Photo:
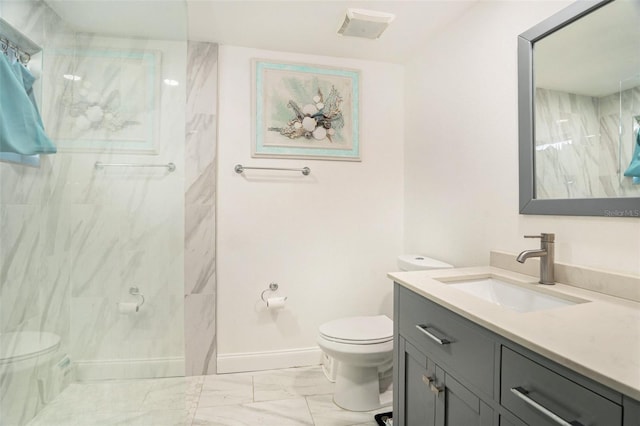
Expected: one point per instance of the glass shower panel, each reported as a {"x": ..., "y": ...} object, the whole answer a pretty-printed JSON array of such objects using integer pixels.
[
  {"x": 125, "y": 221},
  {"x": 34, "y": 288},
  {"x": 92, "y": 241}
]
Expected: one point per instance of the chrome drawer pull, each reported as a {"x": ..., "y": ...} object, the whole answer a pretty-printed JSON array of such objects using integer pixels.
[
  {"x": 427, "y": 379},
  {"x": 439, "y": 340},
  {"x": 522, "y": 394}
]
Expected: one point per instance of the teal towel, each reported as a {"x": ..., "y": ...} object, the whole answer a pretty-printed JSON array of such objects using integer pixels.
[
  {"x": 634, "y": 168},
  {"x": 21, "y": 129}
]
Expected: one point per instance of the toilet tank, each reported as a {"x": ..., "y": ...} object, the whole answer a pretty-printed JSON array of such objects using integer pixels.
[{"x": 416, "y": 262}]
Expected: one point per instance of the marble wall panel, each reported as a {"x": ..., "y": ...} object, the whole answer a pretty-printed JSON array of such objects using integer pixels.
[
  {"x": 101, "y": 334},
  {"x": 34, "y": 243},
  {"x": 95, "y": 234},
  {"x": 623, "y": 141},
  {"x": 200, "y": 174},
  {"x": 578, "y": 147},
  {"x": 55, "y": 298},
  {"x": 200, "y": 334},
  {"x": 199, "y": 198},
  {"x": 200, "y": 264},
  {"x": 128, "y": 231},
  {"x": 19, "y": 273},
  {"x": 20, "y": 184},
  {"x": 73, "y": 240}
]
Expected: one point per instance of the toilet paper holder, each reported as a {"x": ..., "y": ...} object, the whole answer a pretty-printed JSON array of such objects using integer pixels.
[
  {"x": 272, "y": 302},
  {"x": 135, "y": 291},
  {"x": 273, "y": 287}
]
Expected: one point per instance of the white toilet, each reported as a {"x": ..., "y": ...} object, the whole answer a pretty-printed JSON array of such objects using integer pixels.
[{"x": 362, "y": 345}]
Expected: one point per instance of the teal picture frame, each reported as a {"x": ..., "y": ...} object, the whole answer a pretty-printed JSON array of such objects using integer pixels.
[
  {"x": 103, "y": 100},
  {"x": 305, "y": 111}
]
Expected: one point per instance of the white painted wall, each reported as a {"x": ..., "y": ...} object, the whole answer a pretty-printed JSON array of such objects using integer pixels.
[
  {"x": 461, "y": 167},
  {"x": 327, "y": 239}
]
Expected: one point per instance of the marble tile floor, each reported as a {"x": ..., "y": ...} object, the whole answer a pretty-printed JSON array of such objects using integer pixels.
[{"x": 296, "y": 396}]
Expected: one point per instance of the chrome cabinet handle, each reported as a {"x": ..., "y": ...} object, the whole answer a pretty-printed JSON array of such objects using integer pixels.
[
  {"x": 436, "y": 389},
  {"x": 439, "y": 340},
  {"x": 428, "y": 380},
  {"x": 522, "y": 394}
]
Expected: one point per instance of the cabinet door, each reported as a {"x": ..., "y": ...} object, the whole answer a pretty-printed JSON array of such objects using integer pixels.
[
  {"x": 631, "y": 412},
  {"x": 419, "y": 401},
  {"x": 458, "y": 406}
]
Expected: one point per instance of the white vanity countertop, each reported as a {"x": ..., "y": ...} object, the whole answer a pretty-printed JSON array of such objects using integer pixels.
[{"x": 599, "y": 339}]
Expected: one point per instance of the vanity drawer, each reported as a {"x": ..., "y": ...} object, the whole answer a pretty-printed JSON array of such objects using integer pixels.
[
  {"x": 450, "y": 340},
  {"x": 536, "y": 394}
]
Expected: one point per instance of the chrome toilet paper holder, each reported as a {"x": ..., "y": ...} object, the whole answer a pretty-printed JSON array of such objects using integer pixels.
[
  {"x": 135, "y": 291},
  {"x": 273, "y": 287},
  {"x": 272, "y": 302}
]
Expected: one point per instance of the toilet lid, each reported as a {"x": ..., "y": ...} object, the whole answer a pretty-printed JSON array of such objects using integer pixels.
[{"x": 359, "y": 330}]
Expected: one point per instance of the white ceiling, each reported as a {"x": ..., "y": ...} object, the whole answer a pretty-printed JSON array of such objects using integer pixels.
[
  {"x": 154, "y": 19},
  {"x": 310, "y": 26},
  {"x": 303, "y": 26}
]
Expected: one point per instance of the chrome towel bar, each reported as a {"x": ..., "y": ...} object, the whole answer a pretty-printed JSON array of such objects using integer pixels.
[
  {"x": 99, "y": 166},
  {"x": 239, "y": 168}
]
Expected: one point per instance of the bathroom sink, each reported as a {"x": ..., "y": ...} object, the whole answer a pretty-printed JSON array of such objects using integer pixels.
[{"x": 510, "y": 295}]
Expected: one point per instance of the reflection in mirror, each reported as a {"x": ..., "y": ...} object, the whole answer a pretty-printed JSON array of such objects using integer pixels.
[
  {"x": 587, "y": 88},
  {"x": 579, "y": 99}
]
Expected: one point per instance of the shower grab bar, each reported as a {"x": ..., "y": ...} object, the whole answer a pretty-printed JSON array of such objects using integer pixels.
[
  {"x": 239, "y": 168},
  {"x": 99, "y": 166}
]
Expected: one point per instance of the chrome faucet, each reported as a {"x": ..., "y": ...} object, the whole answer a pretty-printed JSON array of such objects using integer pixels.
[{"x": 545, "y": 253}]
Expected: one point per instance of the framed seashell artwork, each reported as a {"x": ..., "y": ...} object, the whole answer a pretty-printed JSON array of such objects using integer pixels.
[
  {"x": 103, "y": 99},
  {"x": 305, "y": 111}
]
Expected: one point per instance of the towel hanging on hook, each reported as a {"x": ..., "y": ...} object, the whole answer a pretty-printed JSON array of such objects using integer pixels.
[
  {"x": 634, "y": 168},
  {"x": 21, "y": 128}
]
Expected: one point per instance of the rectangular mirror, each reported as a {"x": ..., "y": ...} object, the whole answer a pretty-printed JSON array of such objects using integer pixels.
[{"x": 579, "y": 109}]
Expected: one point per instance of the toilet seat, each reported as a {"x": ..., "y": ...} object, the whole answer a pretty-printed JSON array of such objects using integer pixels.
[{"x": 365, "y": 330}]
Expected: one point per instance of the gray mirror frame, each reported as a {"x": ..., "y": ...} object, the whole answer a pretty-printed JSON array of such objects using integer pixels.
[{"x": 619, "y": 207}]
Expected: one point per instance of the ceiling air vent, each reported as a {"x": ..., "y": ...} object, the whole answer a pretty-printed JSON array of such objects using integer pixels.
[{"x": 365, "y": 23}]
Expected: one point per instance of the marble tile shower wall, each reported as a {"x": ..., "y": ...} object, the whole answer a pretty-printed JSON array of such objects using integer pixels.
[
  {"x": 34, "y": 251},
  {"x": 73, "y": 239},
  {"x": 29, "y": 244},
  {"x": 577, "y": 144},
  {"x": 610, "y": 106},
  {"x": 200, "y": 179}
]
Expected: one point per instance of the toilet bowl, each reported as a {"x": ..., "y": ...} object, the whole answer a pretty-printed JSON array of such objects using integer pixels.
[
  {"x": 362, "y": 346},
  {"x": 25, "y": 350}
]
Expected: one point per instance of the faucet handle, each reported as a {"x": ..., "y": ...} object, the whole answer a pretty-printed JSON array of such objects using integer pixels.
[{"x": 546, "y": 238}]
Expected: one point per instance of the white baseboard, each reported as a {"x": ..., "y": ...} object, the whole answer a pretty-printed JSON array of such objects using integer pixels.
[
  {"x": 256, "y": 361},
  {"x": 105, "y": 369}
]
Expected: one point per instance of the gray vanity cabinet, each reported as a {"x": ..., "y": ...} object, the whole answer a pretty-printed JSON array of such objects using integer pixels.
[
  {"x": 450, "y": 371},
  {"x": 426, "y": 388},
  {"x": 432, "y": 397}
]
